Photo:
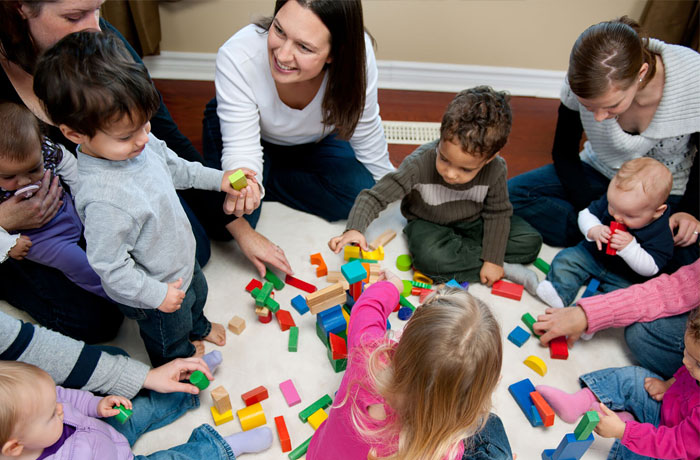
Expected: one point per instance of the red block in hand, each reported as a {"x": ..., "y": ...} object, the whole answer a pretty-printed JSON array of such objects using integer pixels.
[{"x": 614, "y": 225}]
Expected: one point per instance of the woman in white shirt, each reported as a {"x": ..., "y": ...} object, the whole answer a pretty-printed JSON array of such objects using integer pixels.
[{"x": 296, "y": 107}]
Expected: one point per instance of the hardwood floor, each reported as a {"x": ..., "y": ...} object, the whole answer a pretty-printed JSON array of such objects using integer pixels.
[{"x": 529, "y": 145}]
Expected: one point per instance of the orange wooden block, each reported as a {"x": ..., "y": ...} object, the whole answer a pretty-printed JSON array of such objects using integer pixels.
[
  {"x": 255, "y": 395},
  {"x": 284, "y": 318},
  {"x": 543, "y": 408},
  {"x": 317, "y": 259},
  {"x": 283, "y": 434},
  {"x": 366, "y": 265}
]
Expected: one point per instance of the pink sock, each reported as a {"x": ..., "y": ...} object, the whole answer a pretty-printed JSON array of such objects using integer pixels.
[{"x": 569, "y": 407}]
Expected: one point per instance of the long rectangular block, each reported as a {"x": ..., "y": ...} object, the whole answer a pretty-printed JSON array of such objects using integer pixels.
[
  {"x": 586, "y": 425},
  {"x": 521, "y": 393},
  {"x": 263, "y": 294},
  {"x": 283, "y": 434},
  {"x": 255, "y": 395},
  {"x": 591, "y": 289},
  {"x": 529, "y": 321},
  {"x": 321, "y": 403},
  {"x": 299, "y": 284},
  {"x": 545, "y": 410},
  {"x": 290, "y": 393},
  {"x": 507, "y": 290},
  {"x": 274, "y": 279},
  {"x": 569, "y": 448},
  {"x": 297, "y": 453},
  {"x": 293, "y": 338},
  {"x": 324, "y": 298}
]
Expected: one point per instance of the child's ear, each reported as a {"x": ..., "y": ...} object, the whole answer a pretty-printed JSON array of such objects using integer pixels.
[
  {"x": 660, "y": 210},
  {"x": 73, "y": 135},
  {"x": 12, "y": 448}
]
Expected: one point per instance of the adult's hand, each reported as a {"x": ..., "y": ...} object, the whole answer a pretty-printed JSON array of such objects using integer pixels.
[
  {"x": 22, "y": 214},
  {"x": 258, "y": 249},
  {"x": 167, "y": 378},
  {"x": 557, "y": 322},
  {"x": 685, "y": 229}
]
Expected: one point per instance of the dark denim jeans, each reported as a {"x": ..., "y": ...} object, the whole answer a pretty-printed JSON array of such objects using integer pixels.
[
  {"x": 658, "y": 345},
  {"x": 622, "y": 389},
  {"x": 155, "y": 410},
  {"x": 168, "y": 335},
  {"x": 321, "y": 178},
  {"x": 491, "y": 443},
  {"x": 573, "y": 267}
]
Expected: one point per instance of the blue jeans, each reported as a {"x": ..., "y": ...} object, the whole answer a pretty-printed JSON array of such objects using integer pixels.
[
  {"x": 539, "y": 198},
  {"x": 154, "y": 410},
  {"x": 168, "y": 335},
  {"x": 658, "y": 345},
  {"x": 573, "y": 267},
  {"x": 321, "y": 178},
  {"x": 622, "y": 389},
  {"x": 491, "y": 443}
]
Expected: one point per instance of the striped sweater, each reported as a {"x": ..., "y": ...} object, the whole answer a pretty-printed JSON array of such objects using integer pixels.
[
  {"x": 667, "y": 138},
  {"x": 425, "y": 195}
]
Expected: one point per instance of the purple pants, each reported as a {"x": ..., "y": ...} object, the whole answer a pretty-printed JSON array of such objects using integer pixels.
[{"x": 56, "y": 245}]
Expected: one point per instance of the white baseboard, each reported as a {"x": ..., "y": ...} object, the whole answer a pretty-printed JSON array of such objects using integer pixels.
[{"x": 416, "y": 76}]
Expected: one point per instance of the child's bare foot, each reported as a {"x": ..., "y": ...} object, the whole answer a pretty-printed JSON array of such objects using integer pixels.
[
  {"x": 217, "y": 336},
  {"x": 198, "y": 348}
]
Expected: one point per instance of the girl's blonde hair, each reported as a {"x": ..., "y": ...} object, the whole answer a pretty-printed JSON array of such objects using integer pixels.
[
  {"x": 16, "y": 383},
  {"x": 438, "y": 378}
]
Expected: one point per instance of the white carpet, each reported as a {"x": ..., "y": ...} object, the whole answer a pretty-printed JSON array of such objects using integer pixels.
[{"x": 259, "y": 356}]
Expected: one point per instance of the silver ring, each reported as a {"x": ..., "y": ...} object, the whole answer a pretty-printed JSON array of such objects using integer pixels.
[{"x": 695, "y": 233}]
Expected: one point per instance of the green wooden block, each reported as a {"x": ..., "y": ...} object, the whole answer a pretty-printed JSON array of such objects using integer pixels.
[
  {"x": 321, "y": 335},
  {"x": 199, "y": 380},
  {"x": 293, "y": 338},
  {"x": 297, "y": 453},
  {"x": 272, "y": 305},
  {"x": 542, "y": 265},
  {"x": 405, "y": 303},
  {"x": 364, "y": 261},
  {"x": 271, "y": 277},
  {"x": 339, "y": 365},
  {"x": 418, "y": 284},
  {"x": 404, "y": 262},
  {"x": 321, "y": 403},
  {"x": 529, "y": 320},
  {"x": 263, "y": 294},
  {"x": 123, "y": 414},
  {"x": 238, "y": 180},
  {"x": 407, "y": 288},
  {"x": 347, "y": 308},
  {"x": 585, "y": 427}
]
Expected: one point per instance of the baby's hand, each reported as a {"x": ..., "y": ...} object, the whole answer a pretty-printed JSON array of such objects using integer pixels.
[
  {"x": 351, "y": 236},
  {"x": 21, "y": 248},
  {"x": 610, "y": 425},
  {"x": 656, "y": 387},
  {"x": 173, "y": 298},
  {"x": 620, "y": 239},
  {"x": 387, "y": 275},
  {"x": 600, "y": 234},
  {"x": 490, "y": 273},
  {"x": 105, "y": 408}
]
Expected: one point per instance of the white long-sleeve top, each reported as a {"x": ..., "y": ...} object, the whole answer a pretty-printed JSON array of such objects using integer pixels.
[{"x": 250, "y": 109}]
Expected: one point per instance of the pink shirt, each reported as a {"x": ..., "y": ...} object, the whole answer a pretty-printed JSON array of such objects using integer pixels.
[
  {"x": 678, "y": 434},
  {"x": 336, "y": 437},
  {"x": 660, "y": 297}
]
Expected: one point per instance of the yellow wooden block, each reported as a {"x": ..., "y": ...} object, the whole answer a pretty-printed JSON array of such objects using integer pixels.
[
  {"x": 536, "y": 364},
  {"x": 221, "y": 418},
  {"x": 351, "y": 251},
  {"x": 251, "y": 417},
  {"x": 346, "y": 315},
  {"x": 317, "y": 418},
  {"x": 377, "y": 254},
  {"x": 238, "y": 180},
  {"x": 421, "y": 278}
]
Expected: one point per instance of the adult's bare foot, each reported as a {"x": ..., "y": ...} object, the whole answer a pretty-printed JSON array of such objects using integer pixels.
[{"x": 217, "y": 336}]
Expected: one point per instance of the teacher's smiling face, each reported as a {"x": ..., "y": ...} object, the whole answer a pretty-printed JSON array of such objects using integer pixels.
[{"x": 298, "y": 44}]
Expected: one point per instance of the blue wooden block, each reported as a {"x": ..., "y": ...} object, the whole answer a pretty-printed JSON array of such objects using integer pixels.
[
  {"x": 405, "y": 313},
  {"x": 299, "y": 304},
  {"x": 453, "y": 283},
  {"x": 388, "y": 324},
  {"x": 518, "y": 336},
  {"x": 591, "y": 288},
  {"x": 521, "y": 393},
  {"x": 569, "y": 448},
  {"x": 354, "y": 272},
  {"x": 465, "y": 285},
  {"x": 332, "y": 320}
]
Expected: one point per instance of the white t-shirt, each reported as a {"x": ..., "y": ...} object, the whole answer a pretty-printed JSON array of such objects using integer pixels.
[{"x": 249, "y": 108}]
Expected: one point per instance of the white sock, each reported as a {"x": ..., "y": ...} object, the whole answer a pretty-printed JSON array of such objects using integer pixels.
[
  {"x": 520, "y": 274},
  {"x": 549, "y": 295}
]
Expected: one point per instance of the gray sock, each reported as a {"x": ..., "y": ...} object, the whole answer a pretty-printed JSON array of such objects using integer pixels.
[
  {"x": 520, "y": 274},
  {"x": 251, "y": 441},
  {"x": 213, "y": 359},
  {"x": 549, "y": 295}
]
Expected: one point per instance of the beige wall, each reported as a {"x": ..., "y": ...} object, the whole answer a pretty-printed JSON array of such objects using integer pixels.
[{"x": 535, "y": 34}]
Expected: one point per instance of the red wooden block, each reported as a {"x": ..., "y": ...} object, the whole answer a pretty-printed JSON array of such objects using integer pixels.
[
  {"x": 317, "y": 259},
  {"x": 283, "y": 433},
  {"x": 299, "y": 284},
  {"x": 338, "y": 346},
  {"x": 253, "y": 284},
  {"x": 558, "y": 348},
  {"x": 397, "y": 307},
  {"x": 284, "y": 318},
  {"x": 254, "y": 396},
  {"x": 508, "y": 290},
  {"x": 265, "y": 319},
  {"x": 424, "y": 294},
  {"x": 614, "y": 225},
  {"x": 356, "y": 290},
  {"x": 543, "y": 408}
]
